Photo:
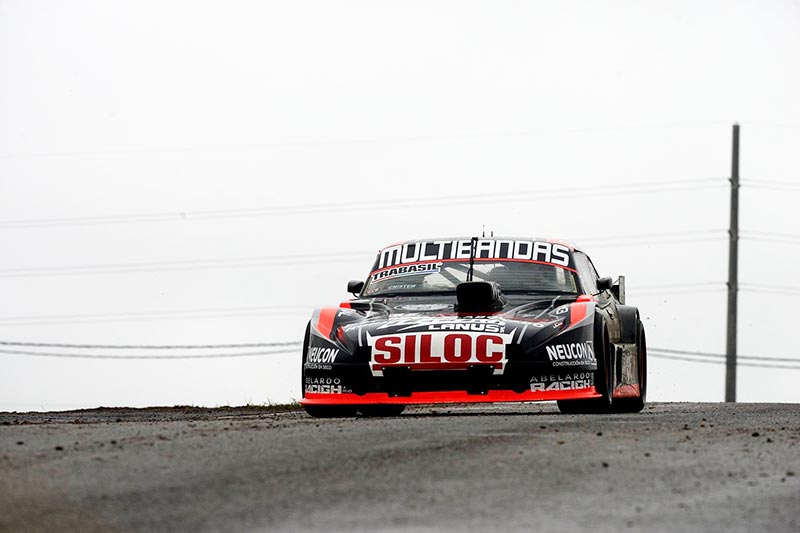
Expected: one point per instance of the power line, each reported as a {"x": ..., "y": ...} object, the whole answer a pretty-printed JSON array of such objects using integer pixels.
[
  {"x": 772, "y": 185},
  {"x": 669, "y": 286},
  {"x": 155, "y": 315},
  {"x": 769, "y": 289},
  {"x": 650, "y": 236},
  {"x": 339, "y": 142},
  {"x": 484, "y": 198},
  {"x": 147, "y": 356},
  {"x": 722, "y": 356},
  {"x": 770, "y": 240},
  {"x": 182, "y": 265},
  {"x": 722, "y": 362},
  {"x": 773, "y": 124},
  {"x": 150, "y": 346},
  {"x": 294, "y": 259},
  {"x": 698, "y": 359},
  {"x": 789, "y": 238}
]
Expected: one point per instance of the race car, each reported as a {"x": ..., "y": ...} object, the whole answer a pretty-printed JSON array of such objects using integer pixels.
[{"x": 465, "y": 320}]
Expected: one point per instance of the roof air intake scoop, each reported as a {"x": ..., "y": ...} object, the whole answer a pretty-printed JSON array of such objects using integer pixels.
[{"x": 478, "y": 296}]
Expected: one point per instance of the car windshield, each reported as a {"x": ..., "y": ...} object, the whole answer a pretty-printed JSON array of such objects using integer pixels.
[{"x": 443, "y": 276}]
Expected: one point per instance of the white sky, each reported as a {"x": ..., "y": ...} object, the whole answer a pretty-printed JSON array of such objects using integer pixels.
[{"x": 114, "y": 108}]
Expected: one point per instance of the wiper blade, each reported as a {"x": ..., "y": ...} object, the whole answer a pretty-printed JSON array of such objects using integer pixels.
[
  {"x": 412, "y": 294},
  {"x": 540, "y": 292}
]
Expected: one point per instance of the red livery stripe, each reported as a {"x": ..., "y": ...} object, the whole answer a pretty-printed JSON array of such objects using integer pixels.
[
  {"x": 325, "y": 322},
  {"x": 577, "y": 312}
]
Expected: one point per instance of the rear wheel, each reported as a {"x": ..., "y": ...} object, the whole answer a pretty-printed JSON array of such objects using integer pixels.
[
  {"x": 603, "y": 379},
  {"x": 636, "y": 404},
  {"x": 381, "y": 410}
]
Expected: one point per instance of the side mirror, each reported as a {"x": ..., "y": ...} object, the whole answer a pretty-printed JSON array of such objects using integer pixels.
[
  {"x": 354, "y": 286},
  {"x": 603, "y": 284}
]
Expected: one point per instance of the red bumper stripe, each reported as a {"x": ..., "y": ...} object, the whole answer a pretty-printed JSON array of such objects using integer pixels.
[
  {"x": 435, "y": 366},
  {"x": 447, "y": 397}
]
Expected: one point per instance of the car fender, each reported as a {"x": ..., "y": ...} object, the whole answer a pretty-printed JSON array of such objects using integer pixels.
[{"x": 628, "y": 321}]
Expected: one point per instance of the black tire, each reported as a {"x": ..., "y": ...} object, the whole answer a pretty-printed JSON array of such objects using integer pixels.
[
  {"x": 306, "y": 341},
  {"x": 382, "y": 410},
  {"x": 635, "y": 405},
  {"x": 331, "y": 411},
  {"x": 604, "y": 376}
]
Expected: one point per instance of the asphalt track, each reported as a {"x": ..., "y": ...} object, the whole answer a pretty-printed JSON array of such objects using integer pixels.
[{"x": 674, "y": 467}]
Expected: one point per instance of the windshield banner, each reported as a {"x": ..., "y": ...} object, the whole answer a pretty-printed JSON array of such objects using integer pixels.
[{"x": 515, "y": 250}]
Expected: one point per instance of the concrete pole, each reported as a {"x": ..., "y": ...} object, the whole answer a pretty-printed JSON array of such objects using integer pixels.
[{"x": 733, "y": 273}]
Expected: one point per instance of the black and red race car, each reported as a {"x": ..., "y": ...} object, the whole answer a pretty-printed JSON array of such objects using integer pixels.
[{"x": 476, "y": 320}]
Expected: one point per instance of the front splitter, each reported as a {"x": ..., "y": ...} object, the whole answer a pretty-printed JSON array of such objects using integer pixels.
[{"x": 382, "y": 398}]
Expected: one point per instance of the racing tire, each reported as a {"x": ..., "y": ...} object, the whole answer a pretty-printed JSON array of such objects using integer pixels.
[
  {"x": 306, "y": 341},
  {"x": 636, "y": 404},
  {"x": 331, "y": 411},
  {"x": 604, "y": 377},
  {"x": 377, "y": 411}
]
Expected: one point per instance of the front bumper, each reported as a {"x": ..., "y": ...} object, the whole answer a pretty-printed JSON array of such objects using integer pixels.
[{"x": 382, "y": 398}]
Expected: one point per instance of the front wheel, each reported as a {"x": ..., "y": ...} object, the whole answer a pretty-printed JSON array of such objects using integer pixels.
[
  {"x": 636, "y": 404},
  {"x": 603, "y": 379}
]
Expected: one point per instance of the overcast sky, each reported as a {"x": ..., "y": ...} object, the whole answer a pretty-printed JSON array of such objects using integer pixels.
[{"x": 209, "y": 172}]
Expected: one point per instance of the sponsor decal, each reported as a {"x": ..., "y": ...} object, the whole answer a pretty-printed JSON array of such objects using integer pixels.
[
  {"x": 401, "y": 287},
  {"x": 439, "y": 351},
  {"x": 419, "y": 252},
  {"x": 321, "y": 358},
  {"x": 489, "y": 324},
  {"x": 577, "y": 380},
  {"x": 572, "y": 354},
  {"x": 408, "y": 270},
  {"x": 326, "y": 386},
  {"x": 425, "y": 307}
]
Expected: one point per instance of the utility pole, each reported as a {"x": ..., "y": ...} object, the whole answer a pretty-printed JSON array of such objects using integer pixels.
[{"x": 733, "y": 273}]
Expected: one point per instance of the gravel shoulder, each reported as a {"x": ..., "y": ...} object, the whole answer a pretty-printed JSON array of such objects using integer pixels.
[{"x": 675, "y": 466}]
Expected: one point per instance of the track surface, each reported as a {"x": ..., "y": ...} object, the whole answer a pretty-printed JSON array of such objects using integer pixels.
[{"x": 674, "y": 467}]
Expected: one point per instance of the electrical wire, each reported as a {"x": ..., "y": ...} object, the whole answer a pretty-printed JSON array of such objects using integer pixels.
[
  {"x": 483, "y": 199},
  {"x": 650, "y": 236},
  {"x": 184, "y": 265},
  {"x": 723, "y": 356},
  {"x": 340, "y": 142},
  {"x": 771, "y": 236},
  {"x": 294, "y": 259},
  {"x": 146, "y": 356},
  {"x": 768, "y": 288},
  {"x": 150, "y": 346},
  {"x": 669, "y": 286},
  {"x": 715, "y": 362},
  {"x": 771, "y": 185},
  {"x": 155, "y": 315}
]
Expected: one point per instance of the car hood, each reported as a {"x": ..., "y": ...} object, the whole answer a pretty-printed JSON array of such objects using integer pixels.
[{"x": 531, "y": 321}]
